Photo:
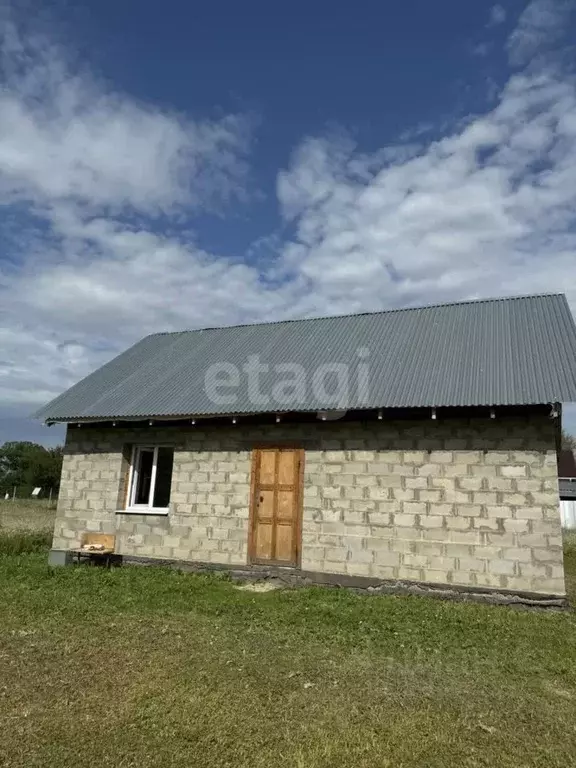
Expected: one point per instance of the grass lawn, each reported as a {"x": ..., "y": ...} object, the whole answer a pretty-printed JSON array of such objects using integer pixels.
[
  {"x": 27, "y": 514},
  {"x": 149, "y": 667}
]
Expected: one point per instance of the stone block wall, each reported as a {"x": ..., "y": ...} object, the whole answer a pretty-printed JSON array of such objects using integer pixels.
[{"x": 469, "y": 502}]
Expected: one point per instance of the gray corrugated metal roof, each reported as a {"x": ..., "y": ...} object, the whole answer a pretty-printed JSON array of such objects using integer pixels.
[{"x": 491, "y": 352}]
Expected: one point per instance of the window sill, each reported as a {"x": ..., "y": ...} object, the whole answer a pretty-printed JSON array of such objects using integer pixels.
[{"x": 143, "y": 511}]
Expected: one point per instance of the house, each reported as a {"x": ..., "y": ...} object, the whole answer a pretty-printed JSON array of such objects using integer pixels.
[
  {"x": 411, "y": 448},
  {"x": 567, "y": 487}
]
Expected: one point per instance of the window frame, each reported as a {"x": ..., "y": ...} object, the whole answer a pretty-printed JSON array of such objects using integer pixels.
[{"x": 143, "y": 509}]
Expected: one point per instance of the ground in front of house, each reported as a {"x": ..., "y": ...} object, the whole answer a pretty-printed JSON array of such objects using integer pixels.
[{"x": 149, "y": 667}]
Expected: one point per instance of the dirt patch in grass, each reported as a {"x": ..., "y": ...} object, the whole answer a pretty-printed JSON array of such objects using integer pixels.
[
  {"x": 259, "y": 586},
  {"x": 149, "y": 667}
]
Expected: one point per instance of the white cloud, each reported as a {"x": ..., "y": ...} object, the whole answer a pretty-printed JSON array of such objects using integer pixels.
[
  {"x": 497, "y": 16},
  {"x": 86, "y": 173},
  {"x": 539, "y": 27},
  {"x": 64, "y": 137},
  {"x": 489, "y": 209}
]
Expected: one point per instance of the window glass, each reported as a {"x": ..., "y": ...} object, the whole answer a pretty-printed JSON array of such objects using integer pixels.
[
  {"x": 145, "y": 462},
  {"x": 164, "y": 465}
]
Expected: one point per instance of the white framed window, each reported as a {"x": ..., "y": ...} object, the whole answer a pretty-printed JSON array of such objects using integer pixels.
[{"x": 150, "y": 479}]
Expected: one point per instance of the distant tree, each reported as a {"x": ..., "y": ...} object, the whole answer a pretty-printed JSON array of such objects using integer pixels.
[
  {"x": 25, "y": 464},
  {"x": 568, "y": 441}
]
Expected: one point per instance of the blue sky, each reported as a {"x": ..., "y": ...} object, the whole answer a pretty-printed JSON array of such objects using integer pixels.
[{"x": 178, "y": 165}]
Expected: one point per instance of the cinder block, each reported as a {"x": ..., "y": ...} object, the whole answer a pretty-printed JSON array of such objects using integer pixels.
[
  {"x": 467, "y": 483},
  {"x": 481, "y": 470},
  {"x": 497, "y": 457},
  {"x": 405, "y": 521},
  {"x": 468, "y": 510},
  {"x": 430, "y": 548},
  {"x": 443, "y": 509},
  {"x": 431, "y": 521},
  {"x": 383, "y": 571},
  {"x": 522, "y": 554},
  {"x": 402, "y": 469},
  {"x": 548, "y": 526},
  {"x": 529, "y": 513},
  {"x": 415, "y": 561},
  {"x": 416, "y": 483},
  {"x": 362, "y": 480},
  {"x": 352, "y": 517},
  {"x": 431, "y": 496},
  {"x": 513, "y": 470},
  {"x": 546, "y": 498},
  {"x": 457, "y": 497},
  {"x": 331, "y": 492},
  {"x": 436, "y": 534},
  {"x": 429, "y": 470},
  {"x": 454, "y": 470},
  {"x": 337, "y": 456},
  {"x": 500, "y": 484},
  {"x": 499, "y": 510},
  {"x": 364, "y": 505},
  {"x": 356, "y": 468},
  {"x": 59, "y": 557},
  {"x": 547, "y": 554},
  {"x": 532, "y": 570},
  {"x": 487, "y": 523},
  {"x": 335, "y": 554},
  {"x": 357, "y": 555},
  {"x": 515, "y": 526},
  {"x": 355, "y": 568},
  {"x": 336, "y": 567},
  {"x": 468, "y": 457},
  {"x": 364, "y": 456},
  {"x": 413, "y": 508},
  {"x": 441, "y": 457},
  {"x": 410, "y": 574},
  {"x": 378, "y": 493},
  {"x": 414, "y": 457},
  {"x": 484, "y": 497},
  {"x": 380, "y": 544},
  {"x": 335, "y": 515},
  {"x": 379, "y": 518},
  {"x": 444, "y": 564},
  {"x": 501, "y": 567}
]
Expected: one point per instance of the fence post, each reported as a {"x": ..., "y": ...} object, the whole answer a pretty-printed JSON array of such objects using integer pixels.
[{"x": 14, "y": 494}]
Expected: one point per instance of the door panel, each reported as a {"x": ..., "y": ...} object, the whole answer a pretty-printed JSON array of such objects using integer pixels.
[
  {"x": 263, "y": 540},
  {"x": 286, "y": 509},
  {"x": 275, "y": 510},
  {"x": 284, "y": 542},
  {"x": 265, "y": 504},
  {"x": 267, "y": 467},
  {"x": 286, "y": 467}
]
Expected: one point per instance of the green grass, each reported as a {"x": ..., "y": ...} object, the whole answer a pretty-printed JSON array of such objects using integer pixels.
[
  {"x": 149, "y": 667},
  {"x": 570, "y": 564},
  {"x": 25, "y": 542},
  {"x": 27, "y": 514}
]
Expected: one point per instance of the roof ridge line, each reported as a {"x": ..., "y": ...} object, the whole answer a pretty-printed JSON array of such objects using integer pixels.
[{"x": 420, "y": 307}]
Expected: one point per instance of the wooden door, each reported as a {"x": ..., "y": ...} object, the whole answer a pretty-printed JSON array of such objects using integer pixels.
[{"x": 275, "y": 511}]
